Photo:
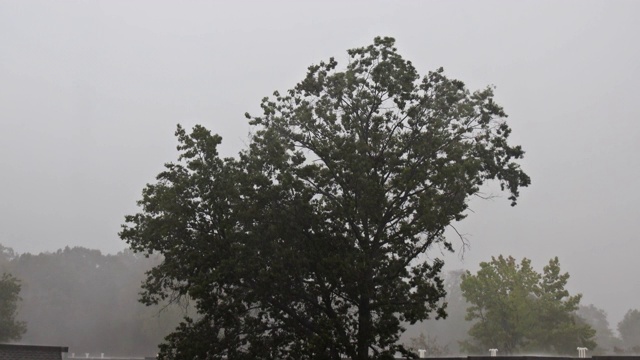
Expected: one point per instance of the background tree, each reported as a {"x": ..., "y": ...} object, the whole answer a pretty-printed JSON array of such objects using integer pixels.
[
  {"x": 519, "y": 310},
  {"x": 10, "y": 327},
  {"x": 597, "y": 319},
  {"x": 500, "y": 298},
  {"x": 629, "y": 329},
  {"x": 559, "y": 329},
  {"x": 308, "y": 245}
]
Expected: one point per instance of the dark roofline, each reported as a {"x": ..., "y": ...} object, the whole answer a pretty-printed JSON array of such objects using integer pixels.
[{"x": 60, "y": 349}]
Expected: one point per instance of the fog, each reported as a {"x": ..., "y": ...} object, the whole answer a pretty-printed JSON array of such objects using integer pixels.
[{"x": 91, "y": 92}]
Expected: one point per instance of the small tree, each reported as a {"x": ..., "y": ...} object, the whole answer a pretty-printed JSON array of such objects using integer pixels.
[
  {"x": 10, "y": 328},
  {"x": 309, "y": 244},
  {"x": 519, "y": 310}
]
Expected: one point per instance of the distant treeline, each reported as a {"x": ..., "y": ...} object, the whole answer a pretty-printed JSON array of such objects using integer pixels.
[{"x": 88, "y": 301}]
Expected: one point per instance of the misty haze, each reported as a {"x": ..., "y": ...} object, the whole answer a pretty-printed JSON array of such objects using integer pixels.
[{"x": 96, "y": 96}]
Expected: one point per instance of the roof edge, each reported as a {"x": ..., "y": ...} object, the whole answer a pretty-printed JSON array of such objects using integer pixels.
[{"x": 61, "y": 349}]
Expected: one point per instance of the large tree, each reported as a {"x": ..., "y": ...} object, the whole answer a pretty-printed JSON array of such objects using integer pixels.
[
  {"x": 308, "y": 245},
  {"x": 518, "y": 310},
  {"x": 10, "y": 327}
]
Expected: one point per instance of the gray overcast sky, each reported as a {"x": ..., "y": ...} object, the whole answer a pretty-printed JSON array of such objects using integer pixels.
[{"x": 91, "y": 91}]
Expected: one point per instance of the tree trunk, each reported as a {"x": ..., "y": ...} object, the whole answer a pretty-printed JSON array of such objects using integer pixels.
[{"x": 364, "y": 328}]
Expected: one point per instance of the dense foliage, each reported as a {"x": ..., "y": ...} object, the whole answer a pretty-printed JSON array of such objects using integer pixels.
[
  {"x": 518, "y": 310},
  {"x": 308, "y": 245}
]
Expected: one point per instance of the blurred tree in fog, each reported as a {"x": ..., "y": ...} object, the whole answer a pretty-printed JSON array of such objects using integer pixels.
[
  {"x": 447, "y": 333},
  {"x": 6, "y": 255},
  {"x": 629, "y": 329},
  {"x": 597, "y": 319},
  {"x": 10, "y": 327},
  {"x": 430, "y": 345},
  {"x": 518, "y": 310}
]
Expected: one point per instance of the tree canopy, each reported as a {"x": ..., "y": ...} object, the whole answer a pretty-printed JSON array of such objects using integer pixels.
[
  {"x": 518, "y": 310},
  {"x": 308, "y": 245},
  {"x": 10, "y": 327}
]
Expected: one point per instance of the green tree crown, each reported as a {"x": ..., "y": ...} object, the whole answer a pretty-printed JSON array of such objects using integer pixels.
[
  {"x": 518, "y": 310},
  {"x": 308, "y": 244}
]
